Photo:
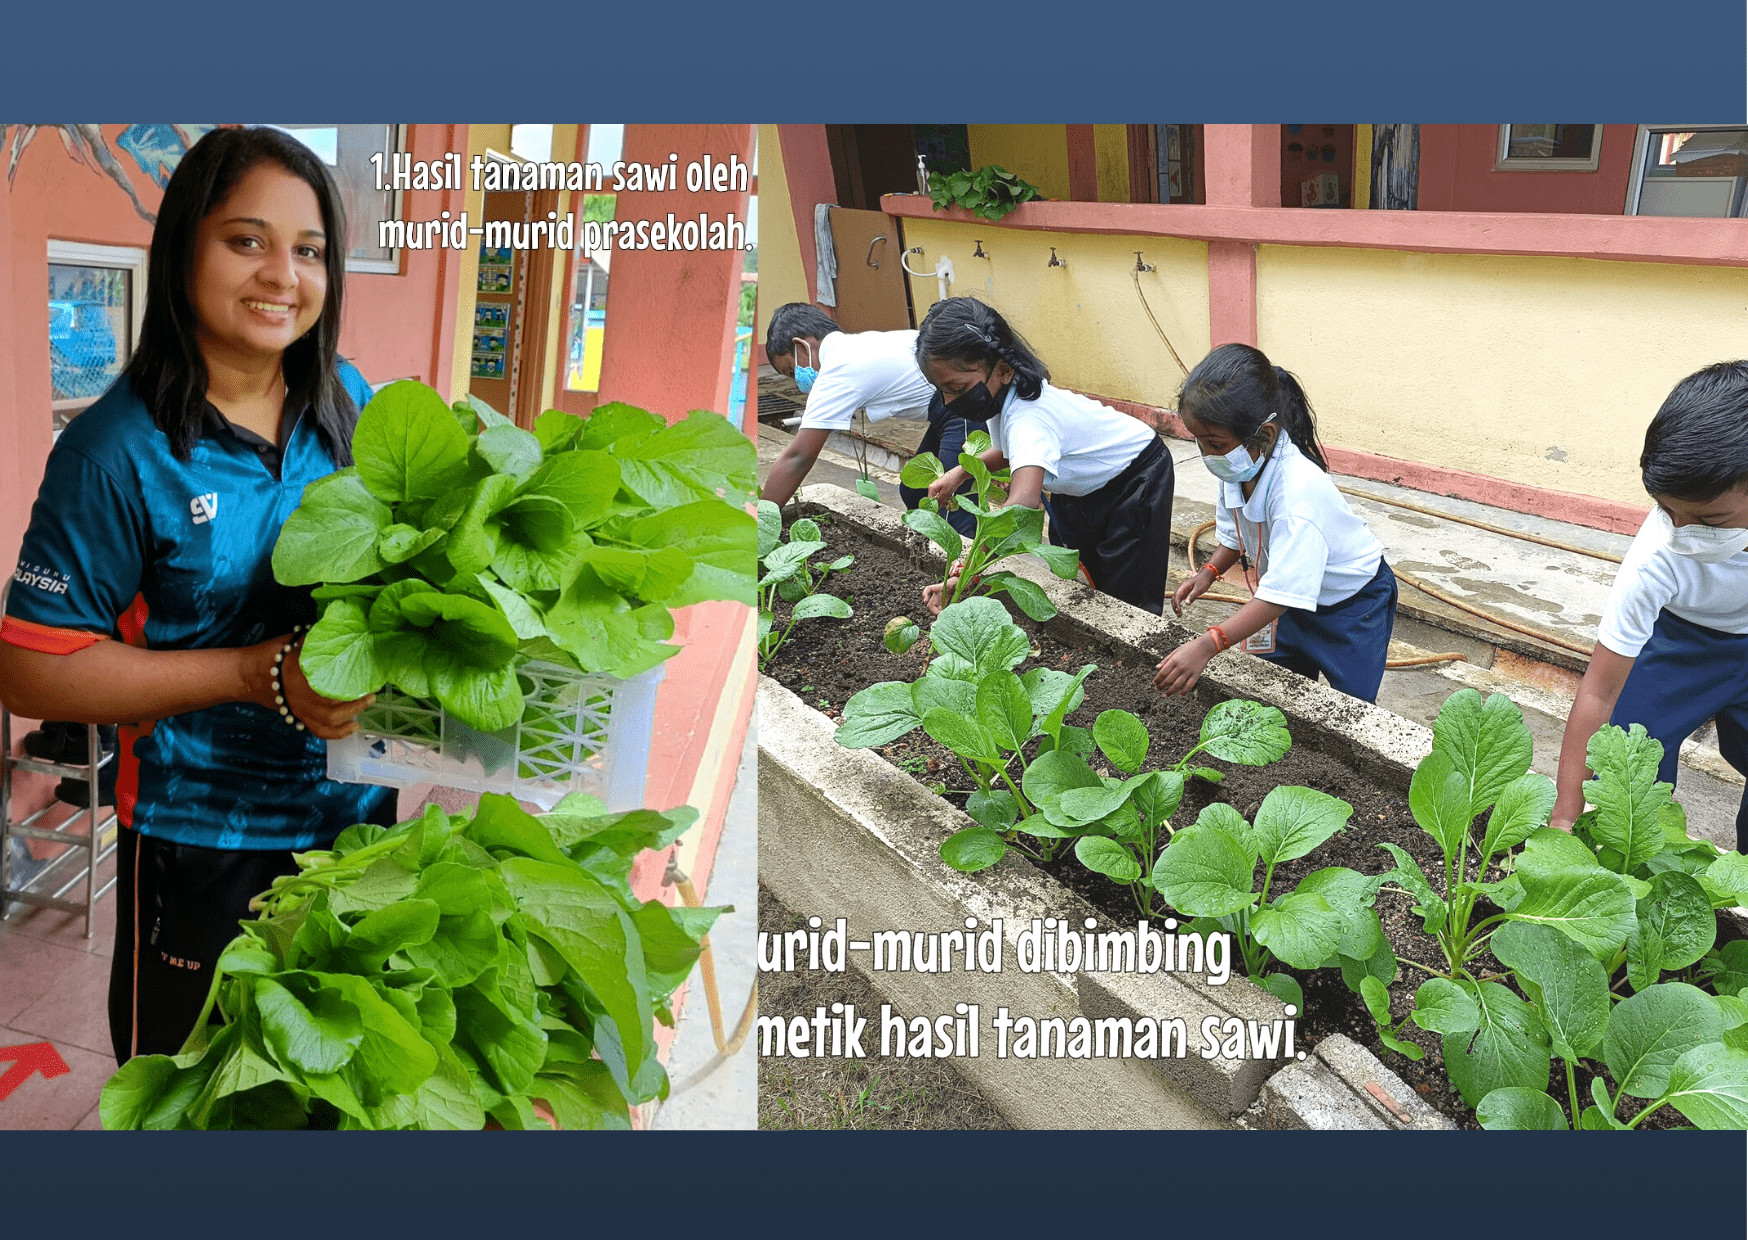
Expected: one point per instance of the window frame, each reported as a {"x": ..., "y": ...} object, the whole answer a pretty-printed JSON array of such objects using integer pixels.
[
  {"x": 128, "y": 258},
  {"x": 1641, "y": 146},
  {"x": 1503, "y": 162}
]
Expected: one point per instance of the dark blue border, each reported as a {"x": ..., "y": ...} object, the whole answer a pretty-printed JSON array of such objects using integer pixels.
[
  {"x": 1224, "y": 1183},
  {"x": 1022, "y": 61}
]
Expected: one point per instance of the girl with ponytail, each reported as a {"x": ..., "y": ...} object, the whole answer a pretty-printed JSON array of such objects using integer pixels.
[
  {"x": 1108, "y": 474},
  {"x": 1323, "y": 599}
]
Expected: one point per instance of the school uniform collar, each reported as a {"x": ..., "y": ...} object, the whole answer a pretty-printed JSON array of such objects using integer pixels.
[
  {"x": 1256, "y": 507},
  {"x": 215, "y": 425}
]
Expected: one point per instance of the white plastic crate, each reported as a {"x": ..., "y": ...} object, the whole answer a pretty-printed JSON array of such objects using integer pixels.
[{"x": 580, "y": 733}]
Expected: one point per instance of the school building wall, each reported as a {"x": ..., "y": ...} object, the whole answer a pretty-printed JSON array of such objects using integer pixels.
[{"x": 1457, "y": 174}]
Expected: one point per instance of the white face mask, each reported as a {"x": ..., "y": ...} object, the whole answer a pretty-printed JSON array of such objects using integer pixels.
[
  {"x": 1237, "y": 465},
  {"x": 1709, "y": 544}
]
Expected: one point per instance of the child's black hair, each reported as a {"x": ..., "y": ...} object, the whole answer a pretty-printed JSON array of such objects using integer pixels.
[
  {"x": 967, "y": 333},
  {"x": 1236, "y": 388},
  {"x": 1696, "y": 448},
  {"x": 797, "y": 321}
]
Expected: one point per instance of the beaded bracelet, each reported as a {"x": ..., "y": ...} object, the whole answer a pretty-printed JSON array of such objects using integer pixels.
[{"x": 279, "y": 683}]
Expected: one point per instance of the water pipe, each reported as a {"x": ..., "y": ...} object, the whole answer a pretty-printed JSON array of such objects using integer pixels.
[{"x": 943, "y": 272}]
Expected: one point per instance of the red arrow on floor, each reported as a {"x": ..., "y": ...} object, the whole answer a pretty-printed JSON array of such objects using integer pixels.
[{"x": 28, "y": 1059}]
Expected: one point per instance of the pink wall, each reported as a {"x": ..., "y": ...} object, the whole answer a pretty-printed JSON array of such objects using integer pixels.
[
  {"x": 1456, "y": 174},
  {"x": 807, "y": 165}
]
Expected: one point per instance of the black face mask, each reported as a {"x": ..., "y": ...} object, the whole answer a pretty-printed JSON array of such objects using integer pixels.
[{"x": 975, "y": 404}]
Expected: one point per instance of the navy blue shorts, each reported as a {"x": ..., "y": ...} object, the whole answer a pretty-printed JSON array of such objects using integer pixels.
[
  {"x": 1685, "y": 675},
  {"x": 1347, "y": 641}
]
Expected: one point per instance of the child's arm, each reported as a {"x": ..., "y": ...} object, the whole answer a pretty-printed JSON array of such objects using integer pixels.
[
  {"x": 1194, "y": 587},
  {"x": 1179, "y": 670},
  {"x": 948, "y": 484},
  {"x": 1594, "y": 704},
  {"x": 792, "y": 466}
]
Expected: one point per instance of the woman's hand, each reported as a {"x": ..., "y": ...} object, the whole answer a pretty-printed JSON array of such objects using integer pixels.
[
  {"x": 942, "y": 489},
  {"x": 1192, "y": 589},
  {"x": 324, "y": 717},
  {"x": 1179, "y": 671}
]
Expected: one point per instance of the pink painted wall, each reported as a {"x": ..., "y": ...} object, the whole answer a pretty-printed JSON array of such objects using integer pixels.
[
  {"x": 807, "y": 165},
  {"x": 675, "y": 310},
  {"x": 1456, "y": 174}
]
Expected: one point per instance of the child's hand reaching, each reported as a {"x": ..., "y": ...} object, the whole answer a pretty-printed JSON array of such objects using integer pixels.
[
  {"x": 1192, "y": 588},
  {"x": 935, "y": 596},
  {"x": 1179, "y": 671}
]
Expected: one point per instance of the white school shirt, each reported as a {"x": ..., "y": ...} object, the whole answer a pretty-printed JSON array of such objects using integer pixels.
[
  {"x": 872, "y": 371},
  {"x": 1317, "y": 552},
  {"x": 1653, "y": 578},
  {"x": 1079, "y": 443}
]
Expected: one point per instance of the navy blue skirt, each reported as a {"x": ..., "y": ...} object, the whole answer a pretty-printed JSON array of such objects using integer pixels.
[{"x": 1348, "y": 642}]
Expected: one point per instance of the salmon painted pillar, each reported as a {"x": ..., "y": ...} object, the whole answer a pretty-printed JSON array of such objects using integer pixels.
[
  {"x": 1242, "y": 168},
  {"x": 669, "y": 348},
  {"x": 807, "y": 169},
  {"x": 669, "y": 344}
]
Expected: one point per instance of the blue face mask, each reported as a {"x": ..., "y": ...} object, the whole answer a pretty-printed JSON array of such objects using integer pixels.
[
  {"x": 804, "y": 375},
  {"x": 1237, "y": 465}
]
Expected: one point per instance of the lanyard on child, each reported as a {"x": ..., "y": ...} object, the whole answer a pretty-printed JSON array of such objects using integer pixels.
[{"x": 1263, "y": 640}]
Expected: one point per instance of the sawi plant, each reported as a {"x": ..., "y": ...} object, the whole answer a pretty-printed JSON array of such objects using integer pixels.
[
  {"x": 1208, "y": 871},
  {"x": 1002, "y": 530},
  {"x": 786, "y": 571},
  {"x": 460, "y": 545},
  {"x": 430, "y": 975},
  {"x": 990, "y": 192}
]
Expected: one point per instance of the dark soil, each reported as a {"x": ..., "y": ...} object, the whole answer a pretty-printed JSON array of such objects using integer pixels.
[{"x": 826, "y": 661}]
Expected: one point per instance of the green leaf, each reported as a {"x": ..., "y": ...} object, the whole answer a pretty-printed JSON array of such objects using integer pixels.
[
  {"x": 1439, "y": 800},
  {"x": 979, "y": 632},
  {"x": 721, "y": 542},
  {"x": 1004, "y": 709},
  {"x": 398, "y": 543},
  {"x": 1709, "y": 1085},
  {"x": 920, "y": 470},
  {"x": 1381, "y": 965},
  {"x": 471, "y": 646},
  {"x": 1428, "y": 904},
  {"x": 1520, "y": 1110},
  {"x": 583, "y": 483},
  {"x": 1063, "y": 561},
  {"x": 1284, "y": 987},
  {"x": 617, "y": 422},
  {"x": 1509, "y": 1049},
  {"x": 1049, "y": 689},
  {"x": 604, "y": 633},
  {"x": 338, "y": 656},
  {"x": 1377, "y": 1000},
  {"x": 935, "y": 528},
  {"x": 332, "y": 536},
  {"x": 1524, "y": 807},
  {"x": 821, "y": 606},
  {"x": 973, "y": 849},
  {"x": 1443, "y": 1007},
  {"x": 319, "y": 1035},
  {"x": 1728, "y": 968},
  {"x": 770, "y": 527},
  {"x": 1592, "y": 908},
  {"x": 1300, "y": 929},
  {"x": 1629, "y": 798},
  {"x": 408, "y": 445},
  {"x": 1486, "y": 741},
  {"x": 1649, "y": 1031},
  {"x": 1565, "y": 980},
  {"x": 1027, "y": 595},
  {"x": 1204, "y": 872},
  {"x": 966, "y": 737},
  {"x": 690, "y": 460},
  {"x": 1674, "y": 926},
  {"x": 1248, "y": 733},
  {"x": 1351, "y": 894},
  {"x": 1122, "y": 738},
  {"x": 901, "y": 634},
  {"x": 866, "y": 488},
  {"x": 1156, "y": 795},
  {"x": 996, "y": 810},
  {"x": 932, "y": 692},
  {"x": 1050, "y": 775},
  {"x": 1107, "y": 857},
  {"x": 557, "y": 430},
  {"x": 1292, "y": 821},
  {"x": 509, "y": 449},
  {"x": 878, "y": 715},
  {"x": 1725, "y": 880}
]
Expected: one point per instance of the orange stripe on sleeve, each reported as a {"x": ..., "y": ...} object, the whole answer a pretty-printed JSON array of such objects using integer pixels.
[{"x": 44, "y": 638}]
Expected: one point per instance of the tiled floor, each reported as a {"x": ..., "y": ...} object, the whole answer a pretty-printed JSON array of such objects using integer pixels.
[{"x": 53, "y": 987}]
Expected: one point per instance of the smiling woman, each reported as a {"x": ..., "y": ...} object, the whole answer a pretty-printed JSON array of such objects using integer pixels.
[{"x": 154, "y": 531}]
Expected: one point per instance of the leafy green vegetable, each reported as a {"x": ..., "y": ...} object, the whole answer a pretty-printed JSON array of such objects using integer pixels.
[
  {"x": 786, "y": 571},
  {"x": 434, "y": 974},
  {"x": 570, "y": 543}
]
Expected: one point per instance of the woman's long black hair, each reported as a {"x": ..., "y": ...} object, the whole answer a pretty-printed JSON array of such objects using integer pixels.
[
  {"x": 967, "y": 333},
  {"x": 1236, "y": 388},
  {"x": 1696, "y": 448},
  {"x": 168, "y": 370}
]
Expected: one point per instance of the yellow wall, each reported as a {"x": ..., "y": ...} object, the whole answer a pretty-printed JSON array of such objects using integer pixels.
[
  {"x": 1111, "y": 145},
  {"x": 1543, "y": 371},
  {"x": 1085, "y": 320},
  {"x": 782, "y": 274},
  {"x": 1035, "y": 153}
]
